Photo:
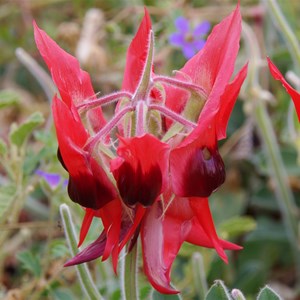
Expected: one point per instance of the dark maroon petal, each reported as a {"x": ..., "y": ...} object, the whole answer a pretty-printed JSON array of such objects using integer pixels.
[
  {"x": 141, "y": 169},
  {"x": 205, "y": 172},
  {"x": 136, "y": 187},
  {"x": 196, "y": 171},
  {"x": 91, "y": 252}
]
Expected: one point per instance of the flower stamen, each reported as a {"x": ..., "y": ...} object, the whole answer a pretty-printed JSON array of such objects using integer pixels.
[
  {"x": 172, "y": 115},
  {"x": 182, "y": 85},
  {"x": 103, "y": 100},
  {"x": 92, "y": 141}
]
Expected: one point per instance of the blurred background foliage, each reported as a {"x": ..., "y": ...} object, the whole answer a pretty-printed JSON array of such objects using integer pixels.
[{"x": 32, "y": 244}]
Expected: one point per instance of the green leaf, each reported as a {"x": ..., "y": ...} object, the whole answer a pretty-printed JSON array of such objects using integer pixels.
[
  {"x": 8, "y": 98},
  {"x": 7, "y": 197},
  {"x": 236, "y": 226},
  {"x": 158, "y": 296},
  {"x": 3, "y": 147},
  {"x": 268, "y": 294},
  {"x": 30, "y": 262},
  {"x": 20, "y": 133},
  {"x": 218, "y": 291}
]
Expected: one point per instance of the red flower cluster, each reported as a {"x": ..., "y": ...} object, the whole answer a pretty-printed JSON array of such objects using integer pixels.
[{"x": 156, "y": 182}]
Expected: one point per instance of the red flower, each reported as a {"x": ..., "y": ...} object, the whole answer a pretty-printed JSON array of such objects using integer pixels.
[
  {"x": 292, "y": 92},
  {"x": 167, "y": 161}
]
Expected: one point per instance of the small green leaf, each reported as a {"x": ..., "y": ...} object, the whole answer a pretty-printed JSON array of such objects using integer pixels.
[
  {"x": 19, "y": 133},
  {"x": 268, "y": 294},
  {"x": 30, "y": 262},
  {"x": 218, "y": 291},
  {"x": 3, "y": 147},
  {"x": 158, "y": 296},
  {"x": 7, "y": 196},
  {"x": 8, "y": 98}
]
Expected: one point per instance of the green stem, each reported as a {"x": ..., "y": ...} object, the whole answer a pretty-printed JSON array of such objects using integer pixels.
[
  {"x": 84, "y": 275},
  {"x": 199, "y": 275},
  {"x": 129, "y": 275},
  {"x": 288, "y": 34},
  {"x": 278, "y": 174}
]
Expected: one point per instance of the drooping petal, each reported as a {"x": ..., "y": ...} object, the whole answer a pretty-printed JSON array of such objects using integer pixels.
[
  {"x": 291, "y": 91},
  {"x": 152, "y": 237},
  {"x": 111, "y": 215},
  {"x": 136, "y": 55},
  {"x": 74, "y": 84},
  {"x": 139, "y": 214},
  {"x": 86, "y": 224},
  {"x": 195, "y": 223},
  {"x": 201, "y": 210},
  {"x": 88, "y": 184},
  {"x": 91, "y": 252},
  {"x": 141, "y": 169}
]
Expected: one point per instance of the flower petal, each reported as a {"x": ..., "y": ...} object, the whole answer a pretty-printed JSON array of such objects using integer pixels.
[
  {"x": 53, "y": 179},
  {"x": 152, "y": 237},
  {"x": 88, "y": 185},
  {"x": 201, "y": 210},
  {"x": 136, "y": 55},
  {"x": 182, "y": 24},
  {"x": 188, "y": 50},
  {"x": 91, "y": 252},
  {"x": 176, "y": 39},
  {"x": 141, "y": 169},
  {"x": 202, "y": 29},
  {"x": 228, "y": 100},
  {"x": 86, "y": 224},
  {"x": 111, "y": 215},
  {"x": 74, "y": 84},
  {"x": 197, "y": 168},
  {"x": 291, "y": 91}
]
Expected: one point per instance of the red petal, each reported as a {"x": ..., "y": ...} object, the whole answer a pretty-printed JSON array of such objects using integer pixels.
[
  {"x": 152, "y": 236},
  {"x": 88, "y": 185},
  {"x": 136, "y": 55},
  {"x": 74, "y": 84},
  {"x": 140, "y": 212},
  {"x": 227, "y": 102},
  {"x": 141, "y": 170},
  {"x": 212, "y": 67},
  {"x": 111, "y": 215},
  {"x": 292, "y": 92},
  {"x": 202, "y": 212},
  {"x": 86, "y": 223}
]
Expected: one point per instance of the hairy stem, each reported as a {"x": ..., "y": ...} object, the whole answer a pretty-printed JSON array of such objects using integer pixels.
[{"x": 83, "y": 272}]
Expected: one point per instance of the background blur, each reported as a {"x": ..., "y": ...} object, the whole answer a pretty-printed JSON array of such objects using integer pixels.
[{"x": 32, "y": 182}]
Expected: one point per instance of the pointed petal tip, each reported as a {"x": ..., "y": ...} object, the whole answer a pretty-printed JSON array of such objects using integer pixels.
[{"x": 70, "y": 263}]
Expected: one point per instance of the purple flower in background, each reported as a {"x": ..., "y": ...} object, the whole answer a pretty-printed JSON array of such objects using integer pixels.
[
  {"x": 53, "y": 179},
  {"x": 190, "y": 41}
]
